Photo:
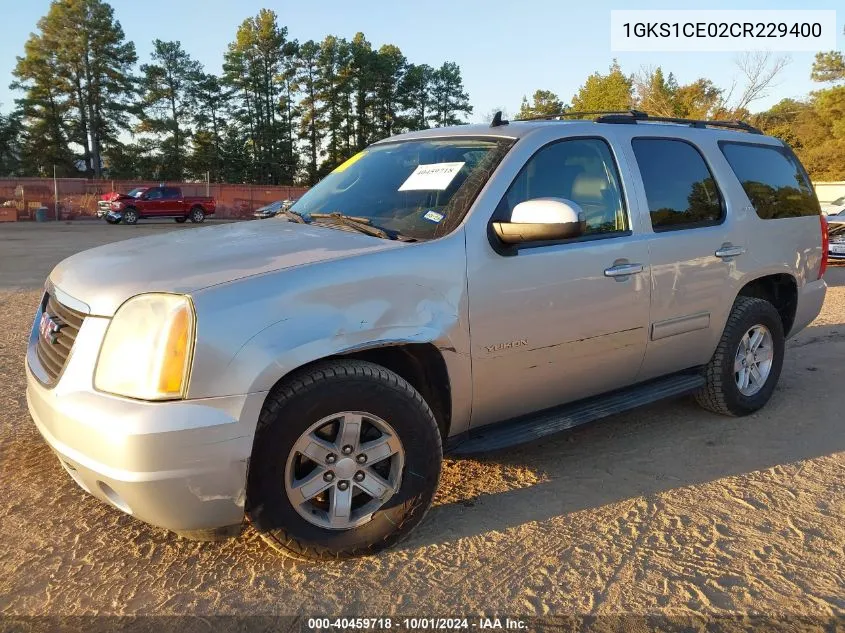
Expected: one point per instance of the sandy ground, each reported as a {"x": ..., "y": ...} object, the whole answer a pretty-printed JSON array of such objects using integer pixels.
[{"x": 665, "y": 510}]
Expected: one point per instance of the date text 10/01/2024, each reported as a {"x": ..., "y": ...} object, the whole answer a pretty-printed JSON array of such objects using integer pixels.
[{"x": 418, "y": 624}]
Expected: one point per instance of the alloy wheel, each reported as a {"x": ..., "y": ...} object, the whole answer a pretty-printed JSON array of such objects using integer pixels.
[
  {"x": 753, "y": 361},
  {"x": 343, "y": 469}
]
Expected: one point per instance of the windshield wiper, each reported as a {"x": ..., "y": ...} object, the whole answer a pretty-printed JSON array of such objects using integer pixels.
[{"x": 362, "y": 225}]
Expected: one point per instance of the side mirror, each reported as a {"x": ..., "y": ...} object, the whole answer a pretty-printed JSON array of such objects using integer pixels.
[
  {"x": 145, "y": 196},
  {"x": 542, "y": 219}
]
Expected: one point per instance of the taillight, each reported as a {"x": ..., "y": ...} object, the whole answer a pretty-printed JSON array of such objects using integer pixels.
[{"x": 825, "y": 245}]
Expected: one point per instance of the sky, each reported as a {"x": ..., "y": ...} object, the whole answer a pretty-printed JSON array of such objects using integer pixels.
[{"x": 505, "y": 50}]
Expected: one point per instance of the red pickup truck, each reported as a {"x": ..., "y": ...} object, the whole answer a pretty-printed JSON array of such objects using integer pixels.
[{"x": 156, "y": 202}]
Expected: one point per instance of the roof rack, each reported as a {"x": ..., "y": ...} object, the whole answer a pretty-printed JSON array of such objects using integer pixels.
[
  {"x": 636, "y": 116},
  {"x": 572, "y": 113}
]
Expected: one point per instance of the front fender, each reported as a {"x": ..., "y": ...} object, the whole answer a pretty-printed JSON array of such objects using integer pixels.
[
  {"x": 254, "y": 331},
  {"x": 269, "y": 356}
]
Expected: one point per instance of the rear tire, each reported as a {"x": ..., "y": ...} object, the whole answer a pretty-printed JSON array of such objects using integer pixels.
[
  {"x": 290, "y": 420},
  {"x": 728, "y": 389},
  {"x": 197, "y": 215}
]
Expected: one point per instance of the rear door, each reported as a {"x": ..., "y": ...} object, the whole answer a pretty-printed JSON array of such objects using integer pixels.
[
  {"x": 171, "y": 203},
  {"x": 559, "y": 321},
  {"x": 693, "y": 251}
]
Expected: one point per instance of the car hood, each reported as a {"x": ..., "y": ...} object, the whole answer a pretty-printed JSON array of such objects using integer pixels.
[{"x": 183, "y": 261}]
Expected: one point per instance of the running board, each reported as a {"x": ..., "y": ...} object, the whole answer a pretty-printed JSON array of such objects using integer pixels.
[{"x": 529, "y": 428}]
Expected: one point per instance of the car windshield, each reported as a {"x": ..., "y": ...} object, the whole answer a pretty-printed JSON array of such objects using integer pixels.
[
  {"x": 136, "y": 193},
  {"x": 419, "y": 189}
]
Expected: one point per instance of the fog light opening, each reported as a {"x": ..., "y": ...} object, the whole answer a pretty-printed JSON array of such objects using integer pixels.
[{"x": 115, "y": 498}]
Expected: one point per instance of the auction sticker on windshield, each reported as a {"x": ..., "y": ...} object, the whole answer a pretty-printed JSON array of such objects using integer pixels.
[{"x": 436, "y": 176}]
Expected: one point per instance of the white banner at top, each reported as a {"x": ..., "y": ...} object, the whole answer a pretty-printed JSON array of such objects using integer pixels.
[{"x": 706, "y": 30}]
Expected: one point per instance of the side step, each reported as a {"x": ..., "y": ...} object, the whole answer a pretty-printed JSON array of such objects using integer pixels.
[{"x": 529, "y": 428}]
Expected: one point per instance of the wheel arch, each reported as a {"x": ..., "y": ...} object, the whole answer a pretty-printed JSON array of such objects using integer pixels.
[
  {"x": 779, "y": 289},
  {"x": 421, "y": 364}
]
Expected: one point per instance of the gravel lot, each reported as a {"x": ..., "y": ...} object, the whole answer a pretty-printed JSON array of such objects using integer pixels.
[{"x": 668, "y": 509}]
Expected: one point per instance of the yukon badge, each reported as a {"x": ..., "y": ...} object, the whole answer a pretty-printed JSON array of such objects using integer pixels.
[{"x": 500, "y": 346}]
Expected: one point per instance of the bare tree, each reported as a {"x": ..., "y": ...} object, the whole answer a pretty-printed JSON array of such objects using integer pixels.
[{"x": 759, "y": 71}]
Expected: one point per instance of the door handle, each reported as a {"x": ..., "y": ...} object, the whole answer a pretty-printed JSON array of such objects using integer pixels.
[
  {"x": 623, "y": 270},
  {"x": 729, "y": 250}
]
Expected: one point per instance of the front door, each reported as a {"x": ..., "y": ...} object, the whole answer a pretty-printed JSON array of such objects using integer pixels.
[
  {"x": 556, "y": 322},
  {"x": 153, "y": 202}
]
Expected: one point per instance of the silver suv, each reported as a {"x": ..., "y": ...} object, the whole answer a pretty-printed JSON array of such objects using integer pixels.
[{"x": 460, "y": 289}]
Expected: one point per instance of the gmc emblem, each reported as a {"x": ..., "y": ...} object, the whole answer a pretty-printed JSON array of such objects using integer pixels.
[{"x": 49, "y": 328}]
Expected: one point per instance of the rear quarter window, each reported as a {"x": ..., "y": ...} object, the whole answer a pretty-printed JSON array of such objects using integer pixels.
[{"x": 773, "y": 179}]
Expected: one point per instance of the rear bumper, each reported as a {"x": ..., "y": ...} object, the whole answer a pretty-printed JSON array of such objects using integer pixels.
[{"x": 810, "y": 301}]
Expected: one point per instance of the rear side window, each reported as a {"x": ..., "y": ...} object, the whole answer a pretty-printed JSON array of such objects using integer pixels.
[
  {"x": 680, "y": 190},
  {"x": 773, "y": 180}
]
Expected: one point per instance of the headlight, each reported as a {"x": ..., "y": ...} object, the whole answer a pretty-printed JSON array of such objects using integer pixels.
[{"x": 146, "y": 353}]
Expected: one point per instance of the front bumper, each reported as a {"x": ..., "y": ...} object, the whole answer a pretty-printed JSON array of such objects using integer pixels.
[{"x": 179, "y": 465}]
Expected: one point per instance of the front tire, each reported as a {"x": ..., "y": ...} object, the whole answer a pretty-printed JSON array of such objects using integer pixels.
[
  {"x": 130, "y": 216},
  {"x": 346, "y": 461},
  {"x": 197, "y": 215},
  {"x": 744, "y": 370}
]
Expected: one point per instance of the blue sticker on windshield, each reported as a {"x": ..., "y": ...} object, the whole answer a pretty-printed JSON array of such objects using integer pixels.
[{"x": 433, "y": 216}]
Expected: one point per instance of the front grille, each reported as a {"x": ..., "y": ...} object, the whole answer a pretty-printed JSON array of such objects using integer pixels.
[
  {"x": 53, "y": 356},
  {"x": 104, "y": 205}
]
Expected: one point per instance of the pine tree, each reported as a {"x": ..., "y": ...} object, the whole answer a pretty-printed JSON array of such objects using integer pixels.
[
  {"x": 388, "y": 69},
  {"x": 45, "y": 109},
  {"x": 415, "y": 96},
  {"x": 333, "y": 94},
  {"x": 211, "y": 99},
  {"x": 311, "y": 124},
  {"x": 362, "y": 66},
  {"x": 90, "y": 76},
  {"x": 11, "y": 137},
  {"x": 449, "y": 98},
  {"x": 255, "y": 66},
  {"x": 169, "y": 103}
]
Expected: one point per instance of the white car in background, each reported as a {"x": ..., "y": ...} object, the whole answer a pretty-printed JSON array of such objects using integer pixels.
[
  {"x": 836, "y": 235},
  {"x": 834, "y": 208}
]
